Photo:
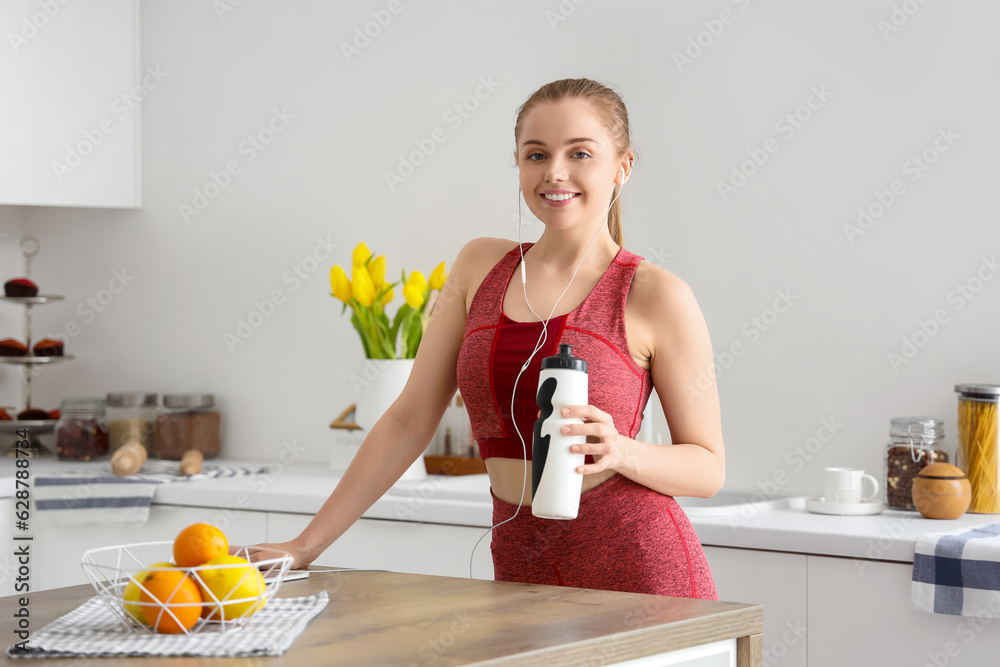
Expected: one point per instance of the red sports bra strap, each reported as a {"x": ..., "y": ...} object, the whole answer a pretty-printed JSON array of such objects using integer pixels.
[
  {"x": 604, "y": 308},
  {"x": 487, "y": 304}
]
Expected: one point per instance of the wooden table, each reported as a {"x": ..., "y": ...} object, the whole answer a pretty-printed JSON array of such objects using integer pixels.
[{"x": 387, "y": 618}]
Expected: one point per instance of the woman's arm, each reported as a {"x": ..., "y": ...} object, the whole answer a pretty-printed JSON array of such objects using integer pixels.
[
  {"x": 403, "y": 432},
  {"x": 682, "y": 371}
]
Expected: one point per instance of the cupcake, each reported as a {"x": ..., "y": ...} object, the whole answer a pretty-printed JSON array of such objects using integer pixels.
[
  {"x": 48, "y": 347},
  {"x": 13, "y": 348},
  {"x": 20, "y": 287},
  {"x": 32, "y": 413}
]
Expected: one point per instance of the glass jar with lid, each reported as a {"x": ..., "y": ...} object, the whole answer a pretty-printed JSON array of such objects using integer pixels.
[
  {"x": 187, "y": 421},
  {"x": 978, "y": 446},
  {"x": 131, "y": 417},
  {"x": 81, "y": 432},
  {"x": 914, "y": 444}
]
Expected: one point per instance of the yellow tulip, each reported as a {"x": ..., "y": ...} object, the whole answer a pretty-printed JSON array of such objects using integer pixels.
[
  {"x": 414, "y": 289},
  {"x": 361, "y": 254},
  {"x": 387, "y": 297},
  {"x": 340, "y": 284},
  {"x": 436, "y": 281},
  {"x": 361, "y": 286},
  {"x": 376, "y": 269}
]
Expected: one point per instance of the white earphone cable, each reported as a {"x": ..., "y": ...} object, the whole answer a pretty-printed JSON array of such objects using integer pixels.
[{"x": 538, "y": 346}]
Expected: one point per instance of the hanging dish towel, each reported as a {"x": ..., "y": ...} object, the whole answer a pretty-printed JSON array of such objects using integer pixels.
[
  {"x": 96, "y": 495},
  {"x": 94, "y": 631},
  {"x": 958, "y": 572}
]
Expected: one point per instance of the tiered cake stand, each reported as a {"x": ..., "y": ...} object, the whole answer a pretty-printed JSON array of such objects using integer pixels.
[{"x": 30, "y": 365}]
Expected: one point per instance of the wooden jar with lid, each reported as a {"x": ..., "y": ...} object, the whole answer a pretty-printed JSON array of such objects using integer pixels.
[{"x": 941, "y": 491}]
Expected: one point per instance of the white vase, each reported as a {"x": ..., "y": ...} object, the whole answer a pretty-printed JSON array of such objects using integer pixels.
[{"x": 383, "y": 382}]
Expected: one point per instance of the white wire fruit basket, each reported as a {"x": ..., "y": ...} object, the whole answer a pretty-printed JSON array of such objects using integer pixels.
[{"x": 112, "y": 570}]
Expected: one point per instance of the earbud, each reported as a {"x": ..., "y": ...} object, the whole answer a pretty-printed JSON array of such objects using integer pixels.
[{"x": 621, "y": 172}]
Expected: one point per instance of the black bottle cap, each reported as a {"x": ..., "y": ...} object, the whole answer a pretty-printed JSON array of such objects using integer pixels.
[{"x": 565, "y": 359}]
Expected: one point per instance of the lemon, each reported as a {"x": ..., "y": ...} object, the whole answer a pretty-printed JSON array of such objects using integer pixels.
[
  {"x": 231, "y": 583},
  {"x": 132, "y": 591}
]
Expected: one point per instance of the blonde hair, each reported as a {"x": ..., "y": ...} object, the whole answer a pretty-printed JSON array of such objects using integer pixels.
[{"x": 609, "y": 108}]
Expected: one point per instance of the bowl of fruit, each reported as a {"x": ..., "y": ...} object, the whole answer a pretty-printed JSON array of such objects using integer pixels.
[{"x": 203, "y": 588}]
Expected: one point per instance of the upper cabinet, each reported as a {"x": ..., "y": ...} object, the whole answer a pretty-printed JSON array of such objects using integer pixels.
[{"x": 71, "y": 93}]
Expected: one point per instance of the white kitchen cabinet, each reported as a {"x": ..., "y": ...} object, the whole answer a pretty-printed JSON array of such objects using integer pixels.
[
  {"x": 776, "y": 580},
  {"x": 72, "y": 88},
  {"x": 860, "y": 614},
  {"x": 58, "y": 550},
  {"x": 397, "y": 546}
]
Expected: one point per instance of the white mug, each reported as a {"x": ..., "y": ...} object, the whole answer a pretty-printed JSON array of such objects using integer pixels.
[{"x": 844, "y": 485}]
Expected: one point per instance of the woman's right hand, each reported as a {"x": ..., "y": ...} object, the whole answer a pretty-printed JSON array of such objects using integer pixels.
[{"x": 266, "y": 551}]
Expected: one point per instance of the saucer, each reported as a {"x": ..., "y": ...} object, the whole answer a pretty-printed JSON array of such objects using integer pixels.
[{"x": 865, "y": 507}]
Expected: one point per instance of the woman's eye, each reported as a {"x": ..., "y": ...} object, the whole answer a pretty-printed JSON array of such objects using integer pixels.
[{"x": 540, "y": 156}]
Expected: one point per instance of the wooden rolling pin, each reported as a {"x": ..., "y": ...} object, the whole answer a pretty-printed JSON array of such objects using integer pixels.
[
  {"x": 191, "y": 462},
  {"x": 128, "y": 459}
]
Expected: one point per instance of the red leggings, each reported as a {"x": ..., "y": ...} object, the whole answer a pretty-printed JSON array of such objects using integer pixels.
[{"x": 626, "y": 537}]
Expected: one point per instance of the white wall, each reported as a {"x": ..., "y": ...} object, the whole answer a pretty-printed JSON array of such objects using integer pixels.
[{"x": 323, "y": 177}]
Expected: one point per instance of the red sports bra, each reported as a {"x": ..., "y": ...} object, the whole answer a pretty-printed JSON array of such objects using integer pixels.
[{"x": 495, "y": 347}]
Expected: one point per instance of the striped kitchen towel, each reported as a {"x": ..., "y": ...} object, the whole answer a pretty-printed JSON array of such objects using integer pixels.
[
  {"x": 95, "y": 495},
  {"x": 95, "y": 631},
  {"x": 958, "y": 572}
]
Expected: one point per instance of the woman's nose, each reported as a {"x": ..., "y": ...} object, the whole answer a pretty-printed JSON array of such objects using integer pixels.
[{"x": 556, "y": 171}]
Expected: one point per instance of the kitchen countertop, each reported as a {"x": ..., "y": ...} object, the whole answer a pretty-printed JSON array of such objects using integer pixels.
[
  {"x": 769, "y": 525},
  {"x": 387, "y": 618}
]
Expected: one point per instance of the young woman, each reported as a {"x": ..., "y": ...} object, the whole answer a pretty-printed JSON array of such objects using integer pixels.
[{"x": 638, "y": 327}]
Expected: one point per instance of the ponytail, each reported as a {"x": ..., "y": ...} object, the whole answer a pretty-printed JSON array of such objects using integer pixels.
[{"x": 615, "y": 221}]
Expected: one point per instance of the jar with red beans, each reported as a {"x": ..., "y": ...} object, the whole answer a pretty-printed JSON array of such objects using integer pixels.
[
  {"x": 82, "y": 432},
  {"x": 914, "y": 444}
]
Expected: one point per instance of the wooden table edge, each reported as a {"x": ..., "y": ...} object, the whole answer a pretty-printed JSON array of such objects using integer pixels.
[{"x": 744, "y": 624}]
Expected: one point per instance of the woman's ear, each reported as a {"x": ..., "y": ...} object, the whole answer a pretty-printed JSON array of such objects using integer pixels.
[{"x": 625, "y": 168}]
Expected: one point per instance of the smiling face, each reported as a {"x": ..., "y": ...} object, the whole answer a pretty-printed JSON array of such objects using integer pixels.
[{"x": 567, "y": 163}]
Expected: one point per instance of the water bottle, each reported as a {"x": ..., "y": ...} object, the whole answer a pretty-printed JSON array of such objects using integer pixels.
[{"x": 555, "y": 483}]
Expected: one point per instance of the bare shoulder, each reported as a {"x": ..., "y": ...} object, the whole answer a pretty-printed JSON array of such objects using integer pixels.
[
  {"x": 662, "y": 317},
  {"x": 476, "y": 259},
  {"x": 484, "y": 249},
  {"x": 658, "y": 295}
]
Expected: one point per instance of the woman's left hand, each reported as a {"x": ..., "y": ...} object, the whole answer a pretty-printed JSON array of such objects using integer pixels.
[{"x": 610, "y": 449}]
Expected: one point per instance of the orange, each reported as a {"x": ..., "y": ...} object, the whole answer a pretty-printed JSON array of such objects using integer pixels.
[
  {"x": 199, "y": 543},
  {"x": 132, "y": 591},
  {"x": 179, "y": 594}
]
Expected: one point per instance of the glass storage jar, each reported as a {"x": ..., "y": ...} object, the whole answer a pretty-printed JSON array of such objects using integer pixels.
[
  {"x": 187, "y": 421},
  {"x": 914, "y": 444},
  {"x": 81, "y": 432},
  {"x": 978, "y": 426},
  {"x": 131, "y": 416}
]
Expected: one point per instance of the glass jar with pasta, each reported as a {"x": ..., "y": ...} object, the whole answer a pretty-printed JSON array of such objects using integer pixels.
[{"x": 978, "y": 456}]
